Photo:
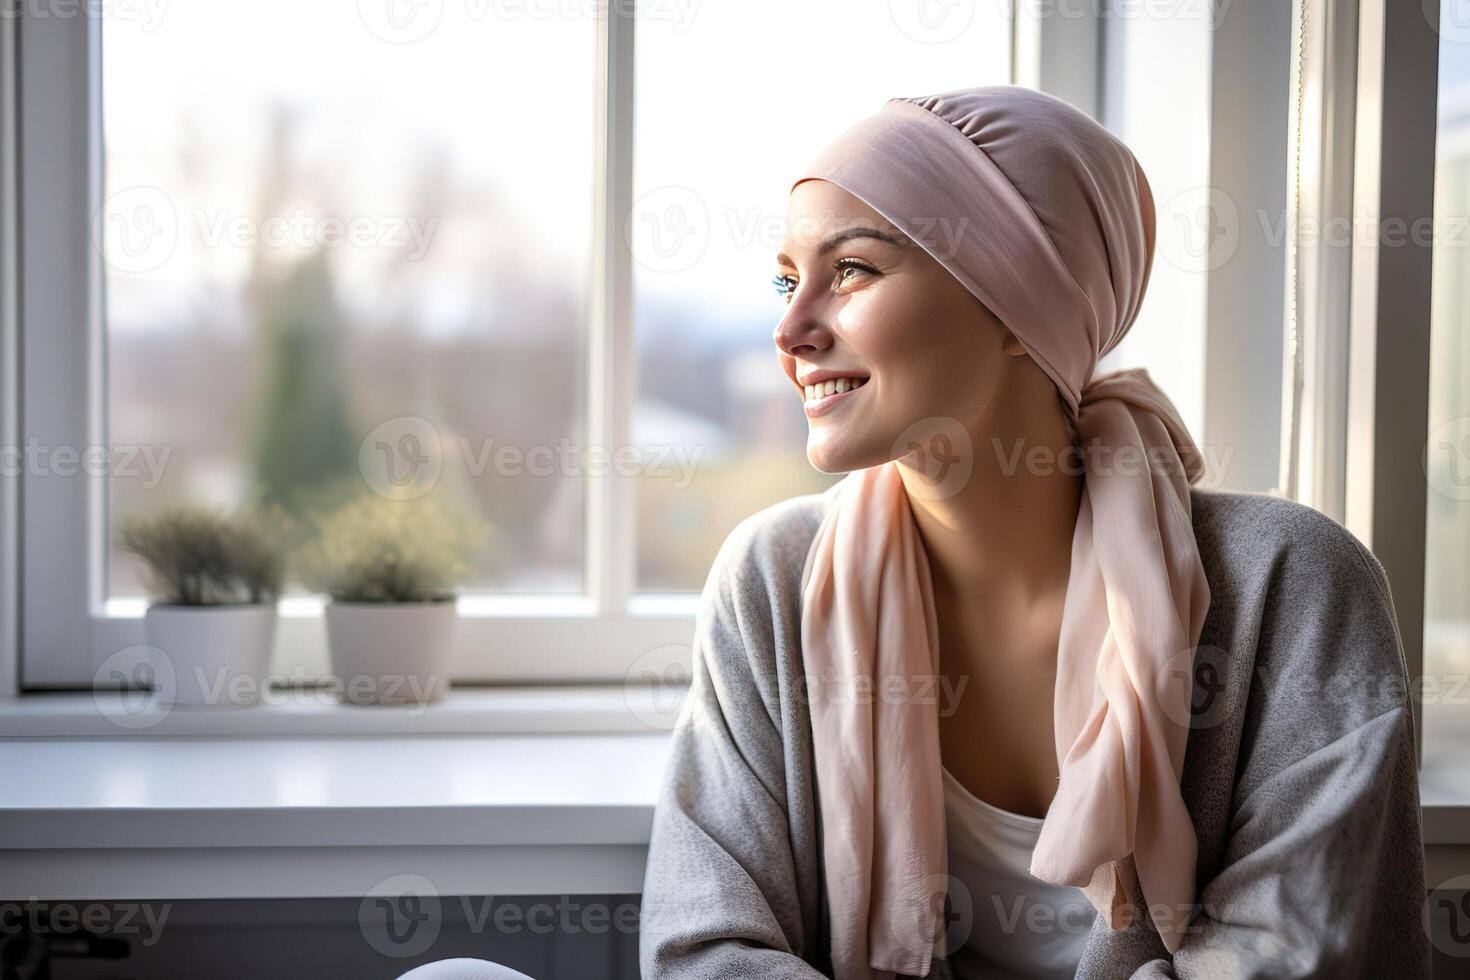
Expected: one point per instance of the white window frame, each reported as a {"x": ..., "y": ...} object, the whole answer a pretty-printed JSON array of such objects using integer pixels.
[
  {"x": 67, "y": 628},
  {"x": 1361, "y": 315},
  {"x": 1058, "y": 55},
  {"x": 1386, "y": 492},
  {"x": 9, "y": 354},
  {"x": 1250, "y": 71},
  {"x": 60, "y": 629}
]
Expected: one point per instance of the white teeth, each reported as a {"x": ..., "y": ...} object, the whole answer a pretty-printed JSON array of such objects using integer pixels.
[{"x": 822, "y": 389}]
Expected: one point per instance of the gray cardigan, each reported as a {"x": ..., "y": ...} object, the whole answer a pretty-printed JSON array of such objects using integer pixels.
[{"x": 1300, "y": 771}]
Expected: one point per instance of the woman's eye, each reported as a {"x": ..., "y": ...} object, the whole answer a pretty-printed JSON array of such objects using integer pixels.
[
  {"x": 844, "y": 266},
  {"x": 785, "y": 285}
]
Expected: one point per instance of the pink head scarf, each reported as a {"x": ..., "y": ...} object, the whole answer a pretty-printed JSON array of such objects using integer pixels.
[{"x": 1054, "y": 220}]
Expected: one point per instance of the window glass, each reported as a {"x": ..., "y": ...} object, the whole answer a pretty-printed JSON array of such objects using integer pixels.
[
  {"x": 1172, "y": 83},
  {"x": 733, "y": 99},
  {"x": 347, "y": 244}
]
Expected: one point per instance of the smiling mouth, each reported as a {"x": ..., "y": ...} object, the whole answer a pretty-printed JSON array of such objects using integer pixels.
[{"x": 819, "y": 398}]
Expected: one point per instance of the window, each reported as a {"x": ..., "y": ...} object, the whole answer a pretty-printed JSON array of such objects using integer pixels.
[
  {"x": 306, "y": 244},
  {"x": 1447, "y": 452},
  {"x": 368, "y": 248},
  {"x": 272, "y": 249}
]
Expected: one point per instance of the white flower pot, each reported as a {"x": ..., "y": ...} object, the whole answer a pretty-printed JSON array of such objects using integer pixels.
[
  {"x": 214, "y": 656},
  {"x": 391, "y": 652}
]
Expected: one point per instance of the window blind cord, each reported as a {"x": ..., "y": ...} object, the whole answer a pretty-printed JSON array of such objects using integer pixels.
[{"x": 1294, "y": 360}]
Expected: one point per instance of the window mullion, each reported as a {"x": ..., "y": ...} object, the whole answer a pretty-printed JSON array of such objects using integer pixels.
[
  {"x": 9, "y": 373},
  {"x": 611, "y": 526},
  {"x": 1388, "y": 386},
  {"x": 1059, "y": 55},
  {"x": 56, "y": 347}
]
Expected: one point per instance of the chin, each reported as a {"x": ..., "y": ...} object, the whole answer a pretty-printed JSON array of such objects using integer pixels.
[
  {"x": 832, "y": 454},
  {"x": 822, "y": 465}
]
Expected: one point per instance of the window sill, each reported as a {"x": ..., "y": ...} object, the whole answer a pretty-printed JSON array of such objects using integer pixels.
[
  {"x": 608, "y": 708},
  {"x": 327, "y": 815},
  {"x": 493, "y": 791},
  {"x": 1444, "y": 776}
]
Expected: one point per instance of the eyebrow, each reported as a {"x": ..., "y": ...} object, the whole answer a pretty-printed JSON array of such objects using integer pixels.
[{"x": 838, "y": 237}]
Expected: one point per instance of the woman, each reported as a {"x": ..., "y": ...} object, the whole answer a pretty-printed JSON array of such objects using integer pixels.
[{"x": 1015, "y": 698}]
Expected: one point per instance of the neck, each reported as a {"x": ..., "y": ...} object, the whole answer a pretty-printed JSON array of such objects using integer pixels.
[{"x": 1004, "y": 539}]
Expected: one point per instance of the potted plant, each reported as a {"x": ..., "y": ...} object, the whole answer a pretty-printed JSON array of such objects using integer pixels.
[
  {"x": 215, "y": 580},
  {"x": 391, "y": 568}
]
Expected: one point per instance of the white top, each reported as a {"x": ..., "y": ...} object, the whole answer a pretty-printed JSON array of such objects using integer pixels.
[{"x": 1005, "y": 923}]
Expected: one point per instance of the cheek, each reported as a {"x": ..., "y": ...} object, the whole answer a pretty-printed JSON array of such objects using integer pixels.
[
  {"x": 884, "y": 328},
  {"x": 910, "y": 381},
  {"x": 927, "y": 358},
  {"x": 917, "y": 349}
]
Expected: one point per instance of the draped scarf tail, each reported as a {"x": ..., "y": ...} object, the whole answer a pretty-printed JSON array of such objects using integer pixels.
[{"x": 1136, "y": 598}]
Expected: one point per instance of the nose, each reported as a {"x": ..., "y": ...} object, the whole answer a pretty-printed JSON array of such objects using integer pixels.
[{"x": 803, "y": 329}]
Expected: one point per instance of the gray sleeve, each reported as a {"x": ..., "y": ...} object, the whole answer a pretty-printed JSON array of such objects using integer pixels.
[
  {"x": 1323, "y": 872},
  {"x": 720, "y": 896}
]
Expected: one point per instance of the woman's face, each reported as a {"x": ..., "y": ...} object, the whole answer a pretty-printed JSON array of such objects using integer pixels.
[{"x": 866, "y": 303}]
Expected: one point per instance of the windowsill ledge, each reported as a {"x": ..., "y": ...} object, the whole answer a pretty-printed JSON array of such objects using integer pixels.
[
  {"x": 607, "y": 708},
  {"x": 491, "y": 791},
  {"x": 1444, "y": 782},
  {"x": 328, "y": 815}
]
